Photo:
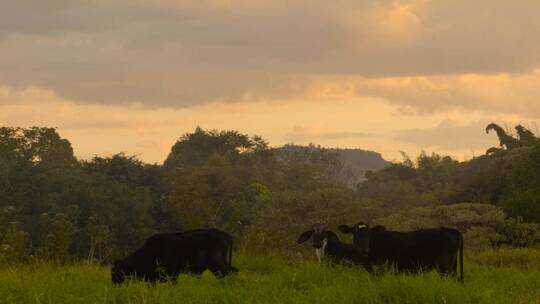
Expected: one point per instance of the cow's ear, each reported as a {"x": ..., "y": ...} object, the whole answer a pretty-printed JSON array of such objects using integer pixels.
[
  {"x": 378, "y": 228},
  {"x": 345, "y": 229},
  {"x": 304, "y": 236}
]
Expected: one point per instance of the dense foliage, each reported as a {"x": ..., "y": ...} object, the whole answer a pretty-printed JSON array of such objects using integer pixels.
[{"x": 54, "y": 206}]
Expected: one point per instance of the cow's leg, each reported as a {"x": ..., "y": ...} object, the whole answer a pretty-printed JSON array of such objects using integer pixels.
[
  {"x": 221, "y": 269},
  {"x": 172, "y": 273},
  {"x": 453, "y": 270},
  {"x": 218, "y": 264},
  {"x": 152, "y": 278},
  {"x": 446, "y": 266},
  {"x": 197, "y": 271}
]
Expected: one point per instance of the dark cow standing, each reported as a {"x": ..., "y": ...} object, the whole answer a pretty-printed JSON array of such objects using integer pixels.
[
  {"x": 327, "y": 243},
  {"x": 168, "y": 254},
  {"x": 425, "y": 249}
]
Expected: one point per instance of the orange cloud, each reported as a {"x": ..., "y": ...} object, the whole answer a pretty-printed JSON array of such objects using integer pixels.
[
  {"x": 503, "y": 93},
  {"x": 355, "y": 122}
]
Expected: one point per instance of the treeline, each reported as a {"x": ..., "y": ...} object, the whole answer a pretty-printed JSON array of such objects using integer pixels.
[{"x": 57, "y": 207}]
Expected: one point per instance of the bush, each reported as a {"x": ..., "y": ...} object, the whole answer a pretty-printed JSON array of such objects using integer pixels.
[
  {"x": 483, "y": 226},
  {"x": 524, "y": 258}
]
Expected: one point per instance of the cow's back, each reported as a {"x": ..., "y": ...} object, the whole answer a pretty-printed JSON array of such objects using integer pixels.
[
  {"x": 426, "y": 248},
  {"x": 223, "y": 242},
  {"x": 207, "y": 234},
  {"x": 175, "y": 251}
]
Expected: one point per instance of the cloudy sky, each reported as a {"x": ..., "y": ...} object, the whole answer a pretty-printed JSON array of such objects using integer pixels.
[{"x": 390, "y": 76}]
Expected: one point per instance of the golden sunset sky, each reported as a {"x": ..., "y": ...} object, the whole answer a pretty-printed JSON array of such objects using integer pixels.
[{"x": 132, "y": 76}]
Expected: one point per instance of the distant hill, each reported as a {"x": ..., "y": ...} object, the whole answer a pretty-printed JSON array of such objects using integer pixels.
[
  {"x": 357, "y": 162},
  {"x": 353, "y": 163}
]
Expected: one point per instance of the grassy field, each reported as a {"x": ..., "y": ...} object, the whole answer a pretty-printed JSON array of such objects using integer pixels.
[{"x": 507, "y": 276}]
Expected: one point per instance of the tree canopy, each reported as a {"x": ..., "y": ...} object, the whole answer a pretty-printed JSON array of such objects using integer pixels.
[{"x": 55, "y": 206}]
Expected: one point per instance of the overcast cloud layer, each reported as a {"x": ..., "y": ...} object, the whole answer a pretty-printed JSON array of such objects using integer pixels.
[
  {"x": 397, "y": 72},
  {"x": 179, "y": 53}
]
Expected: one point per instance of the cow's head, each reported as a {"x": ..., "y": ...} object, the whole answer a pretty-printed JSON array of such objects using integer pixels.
[
  {"x": 118, "y": 271},
  {"x": 319, "y": 234},
  {"x": 361, "y": 235}
]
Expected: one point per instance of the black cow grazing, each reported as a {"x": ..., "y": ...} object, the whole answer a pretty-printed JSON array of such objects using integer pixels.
[
  {"x": 223, "y": 237},
  {"x": 327, "y": 242},
  {"x": 425, "y": 249},
  {"x": 168, "y": 254}
]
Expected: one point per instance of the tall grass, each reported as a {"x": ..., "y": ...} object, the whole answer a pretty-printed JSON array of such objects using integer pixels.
[
  {"x": 274, "y": 280},
  {"x": 524, "y": 258}
]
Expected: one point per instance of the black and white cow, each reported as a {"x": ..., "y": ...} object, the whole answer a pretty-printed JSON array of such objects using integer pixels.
[
  {"x": 168, "y": 254},
  {"x": 412, "y": 251},
  {"x": 327, "y": 243}
]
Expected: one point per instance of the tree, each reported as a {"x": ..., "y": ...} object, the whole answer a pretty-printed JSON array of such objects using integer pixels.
[
  {"x": 524, "y": 138},
  {"x": 38, "y": 171},
  {"x": 13, "y": 240},
  {"x": 214, "y": 195},
  {"x": 57, "y": 236},
  {"x": 194, "y": 149},
  {"x": 505, "y": 140},
  {"x": 95, "y": 236}
]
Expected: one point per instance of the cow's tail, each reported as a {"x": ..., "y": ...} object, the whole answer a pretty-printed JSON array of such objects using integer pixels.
[
  {"x": 230, "y": 252},
  {"x": 461, "y": 258}
]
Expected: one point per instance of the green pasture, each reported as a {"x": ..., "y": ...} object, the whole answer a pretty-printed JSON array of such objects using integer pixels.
[{"x": 503, "y": 276}]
